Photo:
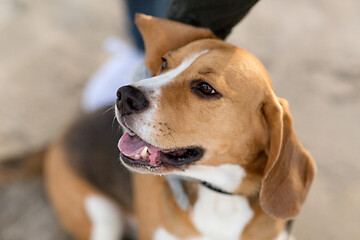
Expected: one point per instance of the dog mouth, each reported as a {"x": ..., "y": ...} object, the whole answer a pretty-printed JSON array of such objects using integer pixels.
[{"x": 135, "y": 152}]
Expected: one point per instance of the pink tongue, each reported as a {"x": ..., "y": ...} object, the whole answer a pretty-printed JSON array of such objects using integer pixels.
[{"x": 131, "y": 146}]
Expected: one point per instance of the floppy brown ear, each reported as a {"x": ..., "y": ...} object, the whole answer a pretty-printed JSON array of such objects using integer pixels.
[
  {"x": 162, "y": 35},
  {"x": 289, "y": 170}
]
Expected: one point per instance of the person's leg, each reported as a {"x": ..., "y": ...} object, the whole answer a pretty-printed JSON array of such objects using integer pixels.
[
  {"x": 117, "y": 71},
  {"x": 120, "y": 68}
]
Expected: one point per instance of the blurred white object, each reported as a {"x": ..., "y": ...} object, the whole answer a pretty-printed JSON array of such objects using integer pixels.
[{"x": 118, "y": 71}]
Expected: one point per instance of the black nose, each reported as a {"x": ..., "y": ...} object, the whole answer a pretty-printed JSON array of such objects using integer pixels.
[{"x": 130, "y": 100}]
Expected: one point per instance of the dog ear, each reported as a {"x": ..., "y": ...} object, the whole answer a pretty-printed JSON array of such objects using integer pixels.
[
  {"x": 289, "y": 170},
  {"x": 162, "y": 35}
]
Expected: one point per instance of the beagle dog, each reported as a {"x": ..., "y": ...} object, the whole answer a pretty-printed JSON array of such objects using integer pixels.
[{"x": 211, "y": 150}]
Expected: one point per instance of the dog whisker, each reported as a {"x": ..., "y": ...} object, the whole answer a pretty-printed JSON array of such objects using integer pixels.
[
  {"x": 107, "y": 110},
  {"x": 113, "y": 123},
  {"x": 172, "y": 130},
  {"x": 173, "y": 139}
]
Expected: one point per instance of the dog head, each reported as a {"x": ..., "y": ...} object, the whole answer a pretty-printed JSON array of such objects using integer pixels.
[{"x": 210, "y": 113}]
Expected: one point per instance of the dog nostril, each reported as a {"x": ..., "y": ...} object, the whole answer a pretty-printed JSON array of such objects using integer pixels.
[
  {"x": 130, "y": 100},
  {"x": 131, "y": 103}
]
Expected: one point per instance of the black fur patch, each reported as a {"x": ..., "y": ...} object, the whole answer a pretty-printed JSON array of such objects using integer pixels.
[{"x": 91, "y": 149}]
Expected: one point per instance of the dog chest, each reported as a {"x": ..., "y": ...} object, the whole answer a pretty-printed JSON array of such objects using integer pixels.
[
  {"x": 220, "y": 216},
  {"x": 216, "y": 216}
]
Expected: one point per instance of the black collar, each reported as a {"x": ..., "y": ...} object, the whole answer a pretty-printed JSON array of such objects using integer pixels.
[{"x": 216, "y": 189}]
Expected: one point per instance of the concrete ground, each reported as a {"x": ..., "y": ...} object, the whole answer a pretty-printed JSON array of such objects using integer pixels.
[{"x": 48, "y": 50}]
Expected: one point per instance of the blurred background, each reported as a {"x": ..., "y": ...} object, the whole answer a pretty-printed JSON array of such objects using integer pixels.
[{"x": 49, "y": 50}]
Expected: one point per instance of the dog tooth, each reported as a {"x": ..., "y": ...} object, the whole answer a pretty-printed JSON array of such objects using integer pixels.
[
  {"x": 137, "y": 156},
  {"x": 144, "y": 152}
]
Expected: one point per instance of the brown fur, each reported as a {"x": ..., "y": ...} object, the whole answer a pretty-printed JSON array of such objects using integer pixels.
[
  {"x": 290, "y": 169},
  {"x": 262, "y": 226},
  {"x": 155, "y": 206},
  {"x": 167, "y": 33},
  {"x": 68, "y": 192},
  {"x": 246, "y": 126}
]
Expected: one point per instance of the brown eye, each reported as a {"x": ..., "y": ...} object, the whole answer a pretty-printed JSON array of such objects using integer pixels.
[
  {"x": 204, "y": 90},
  {"x": 164, "y": 64}
]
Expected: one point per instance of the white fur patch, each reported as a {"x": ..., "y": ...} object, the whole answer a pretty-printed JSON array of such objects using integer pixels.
[
  {"x": 226, "y": 177},
  {"x": 220, "y": 216},
  {"x": 284, "y": 236},
  {"x": 155, "y": 84},
  {"x": 216, "y": 215},
  {"x": 162, "y": 234},
  {"x": 106, "y": 218},
  {"x": 118, "y": 71}
]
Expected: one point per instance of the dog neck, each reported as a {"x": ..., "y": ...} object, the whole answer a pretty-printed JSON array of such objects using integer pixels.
[
  {"x": 180, "y": 195},
  {"x": 186, "y": 190}
]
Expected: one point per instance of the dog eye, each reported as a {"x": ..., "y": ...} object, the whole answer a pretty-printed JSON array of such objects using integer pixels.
[
  {"x": 206, "y": 88},
  {"x": 164, "y": 64},
  {"x": 203, "y": 89}
]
